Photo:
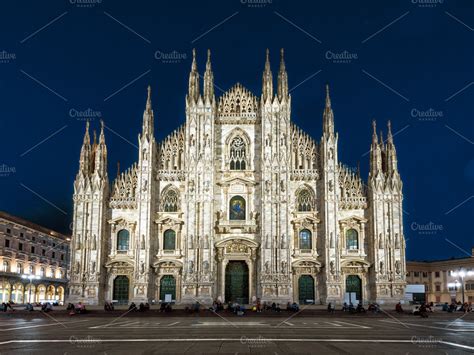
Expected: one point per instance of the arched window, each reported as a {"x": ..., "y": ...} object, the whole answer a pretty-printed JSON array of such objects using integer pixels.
[
  {"x": 19, "y": 268},
  {"x": 169, "y": 240},
  {"x": 305, "y": 239},
  {"x": 237, "y": 156},
  {"x": 42, "y": 272},
  {"x": 352, "y": 239},
  {"x": 6, "y": 266},
  {"x": 170, "y": 201},
  {"x": 31, "y": 270},
  {"x": 305, "y": 201},
  {"x": 237, "y": 208},
  {"x": 123, "y": 238}
]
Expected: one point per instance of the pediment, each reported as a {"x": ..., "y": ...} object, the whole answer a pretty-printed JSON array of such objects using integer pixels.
[
  {"x": 168, "y": 220},
  {"x": 355, "y": 263},
  {"x": 121, "y": 221},
  {"x": 229, "y": 241},
  {"x": 352, "y": 219},
  {"x": 236, "y": 180}
]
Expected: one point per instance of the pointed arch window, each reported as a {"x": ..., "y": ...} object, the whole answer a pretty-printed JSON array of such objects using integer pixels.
[
  {"x": 169, "y": 240},
  {"x": 170, "y": 201},
  {"x": 305, "y": 201},
  {"x": 238, "y": 155},
  {"x": 123, "y": 240},
  {"x": 352, "y": 239},
  {"x": 6, "y": 266},
  {"x": 305, "y": 241}
]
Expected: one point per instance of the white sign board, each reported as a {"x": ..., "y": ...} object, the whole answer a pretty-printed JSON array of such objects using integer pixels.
[{"x": 168, "y": 297}]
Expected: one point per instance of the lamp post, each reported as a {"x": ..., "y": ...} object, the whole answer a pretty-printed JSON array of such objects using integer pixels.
[
  {"x": 31, "y": 278},
  {"x": 462, "y": 273}
]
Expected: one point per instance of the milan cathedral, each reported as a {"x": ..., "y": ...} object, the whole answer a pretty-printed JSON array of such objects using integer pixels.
[{"x": 238, "y": 203}]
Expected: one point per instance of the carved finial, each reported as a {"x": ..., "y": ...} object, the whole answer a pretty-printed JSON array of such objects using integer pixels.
[
  {"x": 328, "y": 98},
  {"x": 389, "y": 134},
  {"x": 102, "y": 136},
  {"x": 194, "y": 64},
  {"x": 282, "y": 59},
  {"x": 87, "y": 138},
  {"x": 148, "y": 99}
]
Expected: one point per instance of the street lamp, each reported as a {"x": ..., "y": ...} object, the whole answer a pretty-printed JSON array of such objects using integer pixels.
[
  {"x": 31, "y": 278},
  {"x": 462, "y": 273}
]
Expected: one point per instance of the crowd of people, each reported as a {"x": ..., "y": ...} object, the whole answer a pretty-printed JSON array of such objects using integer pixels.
[{"x": 256, "y": 306}]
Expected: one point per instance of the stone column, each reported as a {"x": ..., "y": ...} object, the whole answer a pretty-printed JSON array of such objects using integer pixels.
[{"x": 362, "y": 236}]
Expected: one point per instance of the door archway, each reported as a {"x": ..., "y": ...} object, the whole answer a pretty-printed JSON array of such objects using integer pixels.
[
  {"x": 237, "y": 282},
  {"x": 121, "y": 289},
  {"x": 353, "y": 289},
  {"x": 306, "y": 289},
  {"x": 167, "y": 287}
]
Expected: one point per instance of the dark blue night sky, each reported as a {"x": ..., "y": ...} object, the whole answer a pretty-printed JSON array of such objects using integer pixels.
[{"x": 408, "y": 61}]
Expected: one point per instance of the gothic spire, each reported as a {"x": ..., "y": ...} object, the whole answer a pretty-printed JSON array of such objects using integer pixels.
[
  {"x": 208, "y": 79},
  {"x": 267, "y": 80},
  {"x": 375, "y": 153},
  {"x": 100, "y": 154},
  {"x": 101, "y": 136},
  {"x": 374, "y": 134},
  {"x": 148, "y": 118},
  {"x": 328, "y": 115},
  {"x": 282, "y": 78},
  {"x": 392, "y": 165},
  {"x": 193, "y": 89},
  {"x": 84, "y": 159}
]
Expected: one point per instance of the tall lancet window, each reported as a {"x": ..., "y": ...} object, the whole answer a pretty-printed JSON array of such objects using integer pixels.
[
  {"x": 170, "y": 201},
  {"x": 237, "y": 158},
  {"x": 305, "y": 200}
]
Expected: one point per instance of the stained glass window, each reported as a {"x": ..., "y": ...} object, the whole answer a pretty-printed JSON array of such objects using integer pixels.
[
  {"x": 305, "y": 201},
  {"x": 169, "y": 240},
  {"x": 170, "y": 201},
  {"x": 237, "y": 208},
  {"x": 305, "y": 239},
  {"x": 237, "y": 157},
  {"x": 352, "y": 239},
  {"x": 123, "y": 238}
]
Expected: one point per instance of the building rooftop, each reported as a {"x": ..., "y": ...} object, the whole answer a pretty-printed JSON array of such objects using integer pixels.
[{"x": 34, "y": 226}]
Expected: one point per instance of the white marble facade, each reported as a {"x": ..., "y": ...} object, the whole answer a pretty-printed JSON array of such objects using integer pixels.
[{"x": 238, "y": 182}]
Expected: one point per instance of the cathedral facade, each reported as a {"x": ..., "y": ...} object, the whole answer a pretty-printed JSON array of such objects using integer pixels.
[{"x": 238, "y": 203}]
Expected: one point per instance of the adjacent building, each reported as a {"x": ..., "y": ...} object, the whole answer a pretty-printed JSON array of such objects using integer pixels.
[
  {"x": 33, "y": 260},
  {"x": 442, "y": 280},
  {"x": 238, "y": 203}
]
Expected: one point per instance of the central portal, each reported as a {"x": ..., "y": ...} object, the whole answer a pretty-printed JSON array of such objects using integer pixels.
[{"x": 237, "y": 282}]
